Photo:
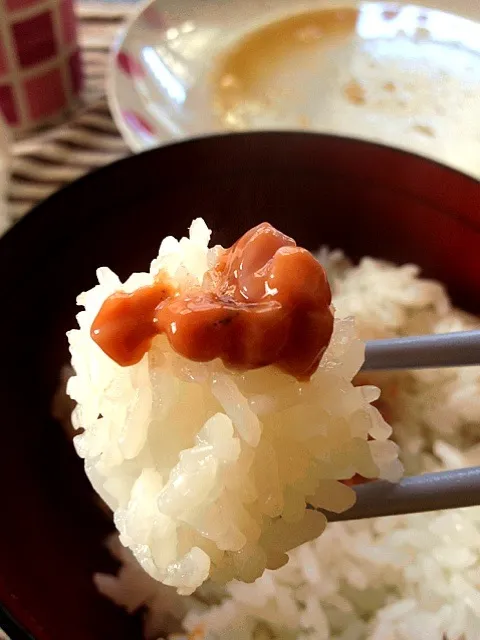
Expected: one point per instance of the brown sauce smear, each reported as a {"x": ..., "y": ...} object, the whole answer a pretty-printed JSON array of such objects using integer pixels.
[
  {"x": 355, "y": 93},
  {"x": 265, "y": 302},
  {"x": 244, "y": 68}
]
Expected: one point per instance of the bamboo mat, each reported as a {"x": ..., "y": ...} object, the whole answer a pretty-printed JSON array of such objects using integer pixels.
[{"x": 44, "y": 163}]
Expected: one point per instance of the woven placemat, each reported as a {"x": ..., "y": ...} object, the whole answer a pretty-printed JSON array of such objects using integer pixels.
[{"x": 44, "y": 163}]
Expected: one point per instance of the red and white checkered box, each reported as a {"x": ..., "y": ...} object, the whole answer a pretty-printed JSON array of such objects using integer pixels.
[{"x": 40, "y": 68}]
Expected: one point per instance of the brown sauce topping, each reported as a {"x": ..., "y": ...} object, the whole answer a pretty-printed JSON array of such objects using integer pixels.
[{"x": 265, "y": 302}]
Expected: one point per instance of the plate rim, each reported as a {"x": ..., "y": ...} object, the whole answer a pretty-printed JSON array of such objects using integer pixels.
[{"x": 110, "y": 79}]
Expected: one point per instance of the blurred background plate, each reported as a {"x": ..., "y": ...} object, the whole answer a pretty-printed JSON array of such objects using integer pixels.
[{"x": 399, "y": 74}]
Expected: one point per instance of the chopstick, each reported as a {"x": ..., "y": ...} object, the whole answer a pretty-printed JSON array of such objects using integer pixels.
[
  {"x": 459, "y": 349},
  {"x": 431, "y": 491},
  {"x": 417, "y": 494}
]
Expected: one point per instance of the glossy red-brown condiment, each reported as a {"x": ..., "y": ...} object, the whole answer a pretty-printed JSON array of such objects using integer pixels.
[{"x": 265, "y": 302}]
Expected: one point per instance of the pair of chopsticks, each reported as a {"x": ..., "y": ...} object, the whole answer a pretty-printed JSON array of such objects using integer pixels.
[{"x": 431, "y": 491}]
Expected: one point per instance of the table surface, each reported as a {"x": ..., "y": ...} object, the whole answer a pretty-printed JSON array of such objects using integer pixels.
[{"x": 89, "y": 139}]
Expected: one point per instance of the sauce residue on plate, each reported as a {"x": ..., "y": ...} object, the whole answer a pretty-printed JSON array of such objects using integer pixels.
[
  {"x": 257, "y": 53},
  {"x": 354, "y": 92},
  {"x": 397, "y": 73},
  {"x": 266, "y": 301}
]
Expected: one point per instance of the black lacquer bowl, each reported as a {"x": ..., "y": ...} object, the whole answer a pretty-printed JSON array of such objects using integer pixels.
[{"x": 366, "y": 199}]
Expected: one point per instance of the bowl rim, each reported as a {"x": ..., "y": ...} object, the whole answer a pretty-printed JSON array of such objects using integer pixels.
[
  {"x": 33, "y": 217},
  {"x": 14, "y": 258},
  {"x": 10, "y": 625}
]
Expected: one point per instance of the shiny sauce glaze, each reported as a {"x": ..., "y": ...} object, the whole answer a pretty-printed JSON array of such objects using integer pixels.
[{"x": 265, "y": 302}]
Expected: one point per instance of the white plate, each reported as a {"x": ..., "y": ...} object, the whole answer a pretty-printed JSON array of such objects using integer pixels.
[{"x": 399, "y": 74}]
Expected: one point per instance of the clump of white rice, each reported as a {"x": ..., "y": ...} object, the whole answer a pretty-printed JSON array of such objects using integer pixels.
[
  {"x": 208, "y": 471},
  {"x": 411, "y": 577},
  {"x": 404, "y": 578}
]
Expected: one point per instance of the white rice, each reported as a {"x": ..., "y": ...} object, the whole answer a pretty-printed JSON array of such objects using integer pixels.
[
  {"x": 208, "y": 472},
  {"x": 404, "y": 578}
]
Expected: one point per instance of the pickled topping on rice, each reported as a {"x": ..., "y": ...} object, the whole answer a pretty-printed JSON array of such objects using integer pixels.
[{"x": 265, "y": 301}]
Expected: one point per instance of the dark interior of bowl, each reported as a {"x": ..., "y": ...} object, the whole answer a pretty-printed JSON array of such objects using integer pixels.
[{"x": 366, "y": 199}]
